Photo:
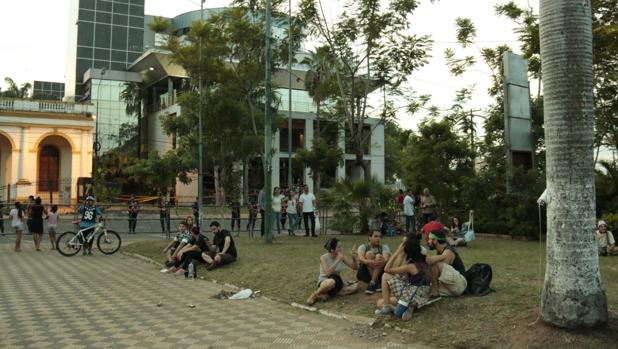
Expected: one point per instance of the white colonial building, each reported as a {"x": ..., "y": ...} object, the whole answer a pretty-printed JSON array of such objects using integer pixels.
[{"x": 45, "y": 149}]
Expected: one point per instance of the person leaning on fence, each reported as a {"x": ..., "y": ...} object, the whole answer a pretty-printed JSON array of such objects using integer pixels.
[
  {"x": 170, "y": 250},
  {"x": 409, "y": 291},
  {"x": 372, "y": 258},
  {"x": 223, "y": 247},
  {"x": 330, "y": 282},
  {"x": 133, "y": 210},
  {"x": 447, "y": 268}
]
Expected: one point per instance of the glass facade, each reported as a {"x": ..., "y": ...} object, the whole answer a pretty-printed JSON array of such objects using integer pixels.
[
  {"x": 110, "y": 35},
  {"x": 301, "y": 101},
  {"x": 113, "y": 121},
  {"x": 47, "y": 90}
]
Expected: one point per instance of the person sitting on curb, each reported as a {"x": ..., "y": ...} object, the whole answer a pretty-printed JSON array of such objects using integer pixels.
[
  {"x": 195, "y": 249},
  {"x": 447, "y": 268},
  {"x": 372, "y": 258},
  {"x": 605, "y": 240},
  {"x": 330, "y": 282},
  {"x": 411, "y": 291},
  {"x": 174, "y": 246},
  {"x": 223, "y": 248}
]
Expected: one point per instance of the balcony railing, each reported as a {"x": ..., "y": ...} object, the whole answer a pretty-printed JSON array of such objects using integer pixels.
[{"x": 45, "y": 106}]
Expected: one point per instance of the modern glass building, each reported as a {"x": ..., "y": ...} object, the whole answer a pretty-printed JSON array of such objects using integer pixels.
[
  {"x": 108, "y": 34},
  {"x": 47, "y": 90}
]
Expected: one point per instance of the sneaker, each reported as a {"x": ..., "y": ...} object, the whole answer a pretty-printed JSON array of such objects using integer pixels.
[
  {"x": 164, "y": 270},
  {"x": 378, "y": 288},
  {"x": 371, "y": 288},
  {"x": 386, "y": 310},
  {"x": 407, "y": 315},
  {"x": 179, "y": 272}
]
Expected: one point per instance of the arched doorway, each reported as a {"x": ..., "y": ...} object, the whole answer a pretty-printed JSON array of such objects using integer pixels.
[
  {"x": 6, "y": 161},
  {"x": 54, "y": 169}
]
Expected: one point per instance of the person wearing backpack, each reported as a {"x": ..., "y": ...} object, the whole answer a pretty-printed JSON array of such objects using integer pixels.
[
  {"x": 447, "y": 269},
  {"x": 372, "y": 258}
]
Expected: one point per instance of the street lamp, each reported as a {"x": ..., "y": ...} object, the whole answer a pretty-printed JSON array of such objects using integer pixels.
[{"x": 97, "y": 145}]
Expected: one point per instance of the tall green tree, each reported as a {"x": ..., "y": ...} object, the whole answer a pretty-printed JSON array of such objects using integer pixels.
[
  {"x": 572, "y": 293},
  {"x": 373, "y": 49},
  {"x": 15, "y": 91},
  {"x": 133, "y": 97}
]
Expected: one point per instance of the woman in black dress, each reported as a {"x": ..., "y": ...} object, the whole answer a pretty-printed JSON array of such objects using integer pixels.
[{"x": 36, "y": 212}]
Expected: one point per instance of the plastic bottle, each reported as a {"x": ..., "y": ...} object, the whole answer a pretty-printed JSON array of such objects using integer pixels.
[{"x": 191, "y": 271}]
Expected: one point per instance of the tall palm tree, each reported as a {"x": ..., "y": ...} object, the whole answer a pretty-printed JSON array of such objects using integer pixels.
[
  {"x": 572, "y": 294},
  {"x": 14, "y": 91},
  {"x": 133, "y": 95}
]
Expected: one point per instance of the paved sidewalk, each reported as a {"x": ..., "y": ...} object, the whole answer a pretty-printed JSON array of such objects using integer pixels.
[{"x": 47, "y": 300}]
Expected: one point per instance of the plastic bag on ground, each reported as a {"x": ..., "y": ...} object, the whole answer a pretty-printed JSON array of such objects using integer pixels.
[{"x": 242, "y": 294}]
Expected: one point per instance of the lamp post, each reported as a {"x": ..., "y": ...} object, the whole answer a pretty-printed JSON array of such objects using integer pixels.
[
  {"x": 289, "y": 95},
  {"x": 97, "y": 145},
  {"x": 268, "y": 131},
  {"x": 200, "y": 171}
]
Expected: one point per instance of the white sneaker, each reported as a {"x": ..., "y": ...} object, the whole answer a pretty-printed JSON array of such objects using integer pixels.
[{"x": 164, "y": 270}]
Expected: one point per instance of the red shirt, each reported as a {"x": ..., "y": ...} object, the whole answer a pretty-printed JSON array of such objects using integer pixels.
[
  {"x": 431, "y": 226},
  {"x": 400, "y": 198}
]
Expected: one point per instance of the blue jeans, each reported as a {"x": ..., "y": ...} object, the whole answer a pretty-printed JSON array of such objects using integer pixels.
[
  {"x": 277, "y": 218},
  {"x": 293, "y": 222},
  {"x": 410, "y": 223}
]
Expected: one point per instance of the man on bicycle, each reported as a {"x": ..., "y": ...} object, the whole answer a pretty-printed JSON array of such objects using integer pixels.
[{"x": 90, "y": 213}]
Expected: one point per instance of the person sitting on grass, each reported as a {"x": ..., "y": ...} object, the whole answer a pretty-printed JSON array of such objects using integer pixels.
[
  {"x": 433, "y": 225},
  {"x": 447, "y": 268},
  {"x": 372, "y": 258},
  {"x": 174, "y": 246},
  {"x": 410, "y": 291},
  {"x": 605, "y": 240},
  {"x": 223, "y": 249},
  {"x": 330, "y": 282},
  {"x": 196, "y": 248},
  {"x": 456, "y": 233}
]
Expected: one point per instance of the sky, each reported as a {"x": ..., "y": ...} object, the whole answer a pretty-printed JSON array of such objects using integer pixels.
[{"x": 35, "y": 33}]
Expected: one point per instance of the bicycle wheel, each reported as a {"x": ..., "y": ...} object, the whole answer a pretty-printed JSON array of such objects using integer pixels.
[
  {"x": 68, "y": 244},
  {"x": 110, "y": 244}
]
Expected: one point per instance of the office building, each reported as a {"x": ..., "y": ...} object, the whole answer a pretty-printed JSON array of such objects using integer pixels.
[{"x": 47, "y": 90}]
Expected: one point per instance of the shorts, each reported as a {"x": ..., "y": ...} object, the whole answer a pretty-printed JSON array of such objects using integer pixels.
[
  {"x": 451, "y": 282},
  {"x": 413, "y": 295},
  {"x": 226, "y": 259},
  {"x": 51, "y": 230},
  {"x": 364, "y": 275},
  {"x": 338, "y": 284}
]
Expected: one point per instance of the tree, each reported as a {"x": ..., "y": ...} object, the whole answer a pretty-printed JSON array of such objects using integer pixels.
[
  {"x": 15, "y": 91},
  {"x": 133, "y": 95},
  {"x": 373, "y": 51},
  {"x": 572, "y": 294}
]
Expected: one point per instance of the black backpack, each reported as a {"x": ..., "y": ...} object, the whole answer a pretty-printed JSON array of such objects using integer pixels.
[{"x": 479, "y": 277}]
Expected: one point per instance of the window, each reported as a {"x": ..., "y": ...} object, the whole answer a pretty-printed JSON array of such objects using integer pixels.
[
  {"x": 104, "y": 6},
  {"x": 49, "y": 168},
  {"x": 121, "y": 8},
  {"x": 103, "y": 35},
  {"x": 120, "y": 19},
  {"x": 101, "y": 54},
  {"x": 86, "y": 4},
  {"x": 119, "y": 38},
  {"x": 85, "y": 15},
  {"x": 85, "y": 34},
  {"x": 136, "y": 39},
  {"x": 136, "y": 22},
  {"x": 136, "y": 10},
  {"x": 119, "y": 56},
  {"x": 84, "y": 52},
  {"x": 104, "y": 17}
]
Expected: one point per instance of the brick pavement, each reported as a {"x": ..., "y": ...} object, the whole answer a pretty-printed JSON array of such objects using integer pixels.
[{"x": 51, "y": 301}]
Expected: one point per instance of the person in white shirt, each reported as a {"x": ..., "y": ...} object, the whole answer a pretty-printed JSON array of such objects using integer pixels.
[
  {"x": 291, "y": 212},
  {"x": 605, "y": 240},
  {"x": 276, "y": 205},
  {"x": 307, "y": 202},
  {"x": 17, "y": 222},
  {"x": 408, "y": 212}
]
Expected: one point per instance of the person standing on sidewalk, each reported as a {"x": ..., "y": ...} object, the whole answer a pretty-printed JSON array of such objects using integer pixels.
[
  {"x": 52, "y": 223},
  {"x": 277, "y": 198},
  {"x": 133, "y": 206},
  {"x": 291, "y": 212},
  {"x": 262, "y": 210},
  {"x": 408, "y": 212},
  {"x": 164, "y": 214},
  {"x": 17, "y": 222},
  {"x": 36, "y": 228},
  {"x": 308, "y": 203},
  {"x": 428, "y": 206}
]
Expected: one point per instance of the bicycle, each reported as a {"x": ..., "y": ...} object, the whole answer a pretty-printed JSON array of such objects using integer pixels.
[{"x": 70, "y": 243}]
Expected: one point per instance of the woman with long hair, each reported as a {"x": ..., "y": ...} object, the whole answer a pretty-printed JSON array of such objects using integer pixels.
[{"x": 36, "y": 228}]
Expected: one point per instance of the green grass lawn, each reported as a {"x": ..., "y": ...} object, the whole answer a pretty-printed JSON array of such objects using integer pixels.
[{"x": 287, "y": 270}]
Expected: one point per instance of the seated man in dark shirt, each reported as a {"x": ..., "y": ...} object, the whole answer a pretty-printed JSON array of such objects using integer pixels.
[
  {"x": 198, "y": 245},
  {"x": 223, "y": 248}
]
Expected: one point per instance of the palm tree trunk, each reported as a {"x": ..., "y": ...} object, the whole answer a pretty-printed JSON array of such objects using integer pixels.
[{"x": 572, "y": 294}]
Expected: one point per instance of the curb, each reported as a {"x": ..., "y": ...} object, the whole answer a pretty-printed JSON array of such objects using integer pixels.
[{"x": 360, "y": 320}]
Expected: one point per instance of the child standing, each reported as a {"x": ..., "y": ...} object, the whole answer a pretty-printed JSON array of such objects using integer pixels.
[{"x": 52, "y": 223}]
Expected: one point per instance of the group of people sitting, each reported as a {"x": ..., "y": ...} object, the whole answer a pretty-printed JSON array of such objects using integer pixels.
[
  {"x": 190, "y": 245},
  {"x": 407, "y": 278}
]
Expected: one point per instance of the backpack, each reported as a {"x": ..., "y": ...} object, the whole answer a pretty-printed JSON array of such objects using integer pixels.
[{"x": 478, "y": 278}]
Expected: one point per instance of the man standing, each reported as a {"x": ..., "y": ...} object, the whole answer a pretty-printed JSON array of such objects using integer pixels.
[
  {"x": 372, "y": 258},
  {"x": 408, "y": 212},
  {"x": 447, "y": 268},
  {"x": 428, "y": 206},
  {"x": 133, "y": 207},
  {"x": 307, "y": 202},
  {"x": 164, "y": 214},
  {"x": 262, "y": 210},
  {"x": 196, "y": 212}
]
